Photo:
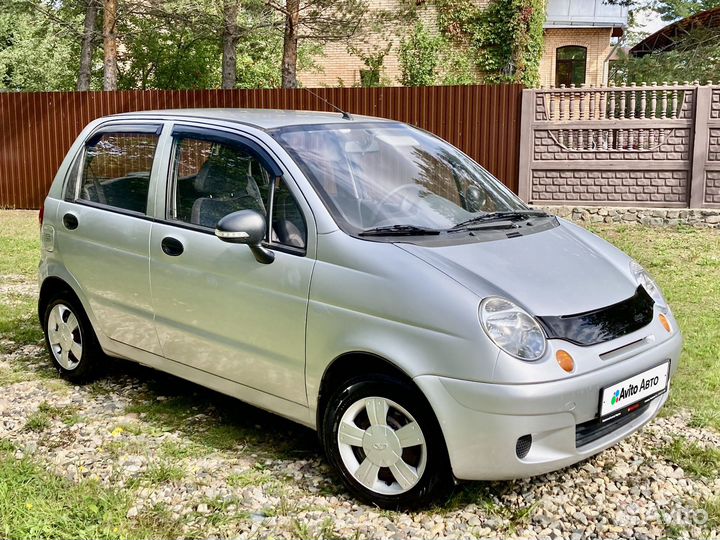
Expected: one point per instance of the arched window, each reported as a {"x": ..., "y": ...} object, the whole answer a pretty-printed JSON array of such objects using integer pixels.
[{"x": 570, "y": 65}]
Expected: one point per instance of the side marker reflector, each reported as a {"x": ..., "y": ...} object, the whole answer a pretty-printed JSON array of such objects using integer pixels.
[
  {"x": 664, "y": 321},
  {"x": 565, "y": 361}
]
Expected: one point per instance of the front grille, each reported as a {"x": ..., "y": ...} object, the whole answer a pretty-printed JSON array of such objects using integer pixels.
[
  {"x": 604, "y": 324},
  {"x": 595, "y": 429}
]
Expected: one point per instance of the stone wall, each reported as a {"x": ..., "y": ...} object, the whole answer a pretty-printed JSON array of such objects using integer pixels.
[
  {"x": 665, "y": 187},
  {"x": 712, "y": 177},
  {"x": 712, "y": 167},
  {"x": 585, "y": 215},
  {"x": 654, "y": 146},
  {"x": 712, "y": 189}
]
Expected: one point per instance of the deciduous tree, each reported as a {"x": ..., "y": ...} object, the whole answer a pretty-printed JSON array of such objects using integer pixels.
[
  {"x": 320, "y": 21},
  {"x": 671, "y": 10},
  {"x": 693, "y": 56},
  {"x": 89, "y": 43},
  {"x": 110, "y": 50},
  {"x": 229, "y": 41}
]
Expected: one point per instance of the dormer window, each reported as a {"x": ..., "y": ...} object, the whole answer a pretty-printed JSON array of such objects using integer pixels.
[{"x": 570, "y": 62}]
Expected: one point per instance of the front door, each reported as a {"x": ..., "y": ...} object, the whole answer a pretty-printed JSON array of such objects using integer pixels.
[
  {"x": 104, "y": 230},
  {"x": 218, "y": 309}
]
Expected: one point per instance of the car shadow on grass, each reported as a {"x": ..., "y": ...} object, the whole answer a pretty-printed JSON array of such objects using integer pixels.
[
  {"x": 222, "y": 423},
  {"x": 214, "y": 422},
  {"x": 209, "y": 418}
]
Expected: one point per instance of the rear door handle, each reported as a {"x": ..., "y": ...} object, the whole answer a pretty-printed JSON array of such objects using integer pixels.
[
  {"x": 172, "y": 246},
  {"x": 70, "y": 221}
]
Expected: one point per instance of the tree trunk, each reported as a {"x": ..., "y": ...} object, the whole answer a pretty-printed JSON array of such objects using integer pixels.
[
  {"x": 290, "y": 44},
  {"x": 229, "y": 61},
  {"x": 110, "y": 44},
  {"x": 88, "y": 46}
]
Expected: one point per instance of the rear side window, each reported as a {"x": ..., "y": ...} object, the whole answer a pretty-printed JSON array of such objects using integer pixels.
[{"x": 116, "y": 170}]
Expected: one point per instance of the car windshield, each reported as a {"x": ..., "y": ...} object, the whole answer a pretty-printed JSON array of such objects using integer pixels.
[{"x": 375, "y": 175}]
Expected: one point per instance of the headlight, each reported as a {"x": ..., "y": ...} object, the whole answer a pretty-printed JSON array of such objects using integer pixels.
[
  {"x": 512, "y": 329},
  {"x": 648, "y": 283}
]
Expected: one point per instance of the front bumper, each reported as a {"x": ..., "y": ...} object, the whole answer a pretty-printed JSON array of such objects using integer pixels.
[{"x": 481, "y": 422}]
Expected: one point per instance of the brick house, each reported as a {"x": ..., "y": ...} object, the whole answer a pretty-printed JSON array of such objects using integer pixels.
[{"x": 580, "y": 38}]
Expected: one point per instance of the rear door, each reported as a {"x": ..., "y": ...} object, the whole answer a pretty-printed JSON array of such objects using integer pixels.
[
  {"x": 217, "y": 308},
  {"x": 103, "y": 231}
]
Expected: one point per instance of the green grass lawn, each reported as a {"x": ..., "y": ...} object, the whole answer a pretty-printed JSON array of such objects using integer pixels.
[
  {"x": 686, "y": 263},
  {"x": 37, "y": 504},
  {"x": 19, "y": 243},
  {"x": 19, "y": 255}
]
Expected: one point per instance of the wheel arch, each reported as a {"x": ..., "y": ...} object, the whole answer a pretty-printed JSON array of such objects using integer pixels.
[
  {"x": 50, "y": 286},
  {"x": 352, "y": 364}
]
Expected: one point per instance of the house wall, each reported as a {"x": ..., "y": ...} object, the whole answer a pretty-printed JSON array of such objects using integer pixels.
[
  {"x": 338, "y": 66},
  {"x": 597, "y": 41},
  {"x": 341, "y": 67}
]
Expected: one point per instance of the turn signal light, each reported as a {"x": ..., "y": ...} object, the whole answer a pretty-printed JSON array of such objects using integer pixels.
[
  {"x": 565, "y": 361},
  {"x": 664, "y": 321}
]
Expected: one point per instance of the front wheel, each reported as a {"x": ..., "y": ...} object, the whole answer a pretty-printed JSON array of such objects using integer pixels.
[{"x": 383, "y": 437}]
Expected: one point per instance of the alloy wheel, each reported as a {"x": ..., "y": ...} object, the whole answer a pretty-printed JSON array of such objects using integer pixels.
[
  {"x": 65, "y": 337},
  {"x": 382, "y": 446}
]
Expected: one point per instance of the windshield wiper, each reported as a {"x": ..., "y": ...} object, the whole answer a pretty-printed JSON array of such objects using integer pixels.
[
  {"x": 399, "y": 230},
  {"x": 499, "y": 216}
]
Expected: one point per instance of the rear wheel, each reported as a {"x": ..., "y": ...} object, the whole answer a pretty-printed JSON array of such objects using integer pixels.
[
  {"x": 70, "y": 338},
  {"x": 384, "y": 439}
]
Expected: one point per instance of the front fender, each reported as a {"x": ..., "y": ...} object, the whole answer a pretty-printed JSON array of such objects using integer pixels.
[{"x": 376, "y": 298}]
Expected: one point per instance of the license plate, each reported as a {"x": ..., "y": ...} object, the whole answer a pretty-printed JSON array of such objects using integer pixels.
[{"x": 638, "y": 389}]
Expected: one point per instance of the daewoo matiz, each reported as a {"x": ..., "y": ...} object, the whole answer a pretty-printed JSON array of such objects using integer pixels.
[{"x": 360, "y": 277}]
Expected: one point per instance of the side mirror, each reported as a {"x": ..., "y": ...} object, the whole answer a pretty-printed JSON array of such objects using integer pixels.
[{"x": 246, "y": 227}]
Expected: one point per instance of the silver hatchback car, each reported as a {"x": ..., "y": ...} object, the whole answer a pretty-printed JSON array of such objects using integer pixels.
[{"x": 358, "y": 276}]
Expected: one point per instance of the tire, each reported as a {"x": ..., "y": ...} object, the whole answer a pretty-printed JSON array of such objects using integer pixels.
[
  {"x": 375, "y": 450},
  {"x": 70, "y": 339}
]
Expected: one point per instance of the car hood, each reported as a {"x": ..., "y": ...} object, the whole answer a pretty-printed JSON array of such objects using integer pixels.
[{"x": 560, "y": 271}]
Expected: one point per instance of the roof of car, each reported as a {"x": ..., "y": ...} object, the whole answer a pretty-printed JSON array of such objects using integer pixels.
[{"x": 260, "y": 118}]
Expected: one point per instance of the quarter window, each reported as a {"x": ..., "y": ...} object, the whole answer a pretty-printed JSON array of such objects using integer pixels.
[
  {"x": 212, "y": 179},
  {"x": 570, "y": 65},
  {"x": 288, "y": 225},
  {"x": 116, "y": 170}
]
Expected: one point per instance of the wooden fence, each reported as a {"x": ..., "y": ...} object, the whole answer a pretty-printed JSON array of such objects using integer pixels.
[{"x": 36, "y": 129}]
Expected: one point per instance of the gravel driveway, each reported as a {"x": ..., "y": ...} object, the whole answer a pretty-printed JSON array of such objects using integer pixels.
[{"x": 222, "y": 469}]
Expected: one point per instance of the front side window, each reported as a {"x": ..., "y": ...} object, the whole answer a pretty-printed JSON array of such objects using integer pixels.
[
  {"x": 116, "y": 170},
  {"x": 381, "y": 174},
  {"x": 570, "y": 65},
  {"x": 212, "y": 179}
]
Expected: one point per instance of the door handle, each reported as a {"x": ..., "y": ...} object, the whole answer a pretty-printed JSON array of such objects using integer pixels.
[
  {"x": 70, "y": 221},
  {"x": 172, "y": 246}
]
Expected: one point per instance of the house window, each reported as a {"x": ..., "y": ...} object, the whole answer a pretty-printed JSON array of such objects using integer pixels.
[{"x": 570, "y": 65}]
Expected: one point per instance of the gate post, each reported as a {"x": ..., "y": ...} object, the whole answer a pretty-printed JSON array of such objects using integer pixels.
[
  {"x": 703, "y": 98},
  {"x": 527, "y": 115}
]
